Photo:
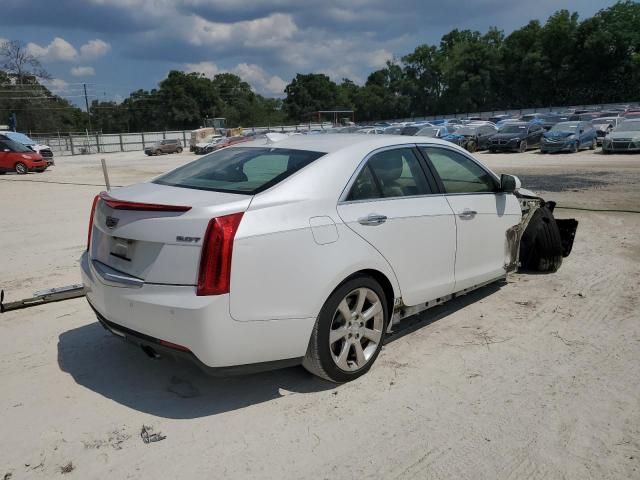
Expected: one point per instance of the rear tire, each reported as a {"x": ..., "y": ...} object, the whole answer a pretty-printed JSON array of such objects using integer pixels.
[
  {"x": 179, "y": 150},
  {"x": 594, "y": 144},
  {"x": 472, "y": 147},
  {"x": 348, "y": 334},
  {"x": 21, "y": 168},
  {"x": 541, "y": 244}
]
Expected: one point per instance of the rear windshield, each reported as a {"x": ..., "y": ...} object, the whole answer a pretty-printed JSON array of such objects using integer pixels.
[{"x": 239, "y": 169}]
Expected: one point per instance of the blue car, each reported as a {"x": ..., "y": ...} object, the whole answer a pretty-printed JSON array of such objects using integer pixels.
[{"x": 569, "y": 136}]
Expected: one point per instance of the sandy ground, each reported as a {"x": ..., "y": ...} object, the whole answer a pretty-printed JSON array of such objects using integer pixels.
[{"x": 535, "y": 378}]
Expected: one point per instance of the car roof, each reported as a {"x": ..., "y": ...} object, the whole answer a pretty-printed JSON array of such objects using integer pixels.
[{"x": 334, "y": 142}]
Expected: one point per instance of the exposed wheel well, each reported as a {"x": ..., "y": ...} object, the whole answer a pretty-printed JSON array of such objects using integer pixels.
[{"x": 384, "y": 282}]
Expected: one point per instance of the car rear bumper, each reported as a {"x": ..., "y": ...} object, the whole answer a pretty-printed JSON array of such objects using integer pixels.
[{"x": 201, "y": 324}]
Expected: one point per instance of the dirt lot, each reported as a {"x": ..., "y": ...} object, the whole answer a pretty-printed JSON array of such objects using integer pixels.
[{"x": 535, "y": 378}]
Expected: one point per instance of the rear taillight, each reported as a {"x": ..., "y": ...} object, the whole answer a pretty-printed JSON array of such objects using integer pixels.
[
  {"x": 214, "y": 277},
  {"x": 93, "y": 211},
  {"x": 144, "y": 207}
]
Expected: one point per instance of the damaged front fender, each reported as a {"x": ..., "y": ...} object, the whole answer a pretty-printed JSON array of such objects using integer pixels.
[{"x": 540, "y": 241}]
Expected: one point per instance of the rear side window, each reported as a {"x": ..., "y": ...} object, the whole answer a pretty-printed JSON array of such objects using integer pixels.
[
  {"x": 389, "y": 174},
  {"x": 458, "y": 173},
  {"x": 240, "y": 170}
]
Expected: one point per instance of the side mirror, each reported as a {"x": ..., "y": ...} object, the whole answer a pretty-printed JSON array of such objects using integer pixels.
[
  {"x": 509, "y": 183},
  {"x": 582, "y": 130}
]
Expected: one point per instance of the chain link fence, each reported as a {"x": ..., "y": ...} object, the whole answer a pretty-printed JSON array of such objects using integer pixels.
[{"x": 96, "y": 142}]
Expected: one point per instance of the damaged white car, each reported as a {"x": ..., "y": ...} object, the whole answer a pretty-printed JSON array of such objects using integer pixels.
[{"x": 307, "y": 249}]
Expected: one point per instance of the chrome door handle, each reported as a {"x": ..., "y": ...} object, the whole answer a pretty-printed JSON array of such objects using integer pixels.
[
  {"x": 466, "y": 213},
  {"x": 372, "y": 219}
]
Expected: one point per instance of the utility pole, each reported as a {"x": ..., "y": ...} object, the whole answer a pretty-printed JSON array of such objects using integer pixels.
[{"x": 86, "y": 101}]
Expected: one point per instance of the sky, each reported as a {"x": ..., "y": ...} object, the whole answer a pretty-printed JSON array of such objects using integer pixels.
[{"x": 118, "y": 46}]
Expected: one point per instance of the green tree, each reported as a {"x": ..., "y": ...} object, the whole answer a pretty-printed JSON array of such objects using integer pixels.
[{"x": 309, "y": 93}]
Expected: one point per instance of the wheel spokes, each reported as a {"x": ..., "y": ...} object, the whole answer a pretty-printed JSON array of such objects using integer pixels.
[
  {"x": 372, "y": 311},
  {"x": 337, "y": 334},
  {"x": 344, "y": 310},
  {"x": 360, "y": 358},
  {"x": 372, "y": 335},
  {"x": 341, "y": 359},
  {"x": 362, "y": 296}
]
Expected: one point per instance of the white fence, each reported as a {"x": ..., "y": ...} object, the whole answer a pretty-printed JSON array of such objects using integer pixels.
[{"x": 94, "y": 142}]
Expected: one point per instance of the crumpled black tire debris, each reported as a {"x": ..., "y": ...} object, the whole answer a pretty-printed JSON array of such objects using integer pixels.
[{"x": 148, "y": 436}]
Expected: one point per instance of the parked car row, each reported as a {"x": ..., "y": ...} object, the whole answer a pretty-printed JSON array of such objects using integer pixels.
[{"x": 21, "y": 154}]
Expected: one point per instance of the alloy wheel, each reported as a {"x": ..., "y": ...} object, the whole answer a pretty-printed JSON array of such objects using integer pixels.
[{"x": 356, "y": 329}]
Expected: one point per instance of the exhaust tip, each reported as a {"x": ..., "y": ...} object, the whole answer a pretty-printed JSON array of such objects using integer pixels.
[{"x": 151, "y": 353}]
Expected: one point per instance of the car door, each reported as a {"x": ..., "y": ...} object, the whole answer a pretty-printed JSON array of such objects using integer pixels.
[
  {"x": 393, "y": 204},
  {"x": 5, "y": 159},
  {"x": 483, "y": 215},
  {"x": 484, "y": 134},
  {"x": 535, "y": 135}
]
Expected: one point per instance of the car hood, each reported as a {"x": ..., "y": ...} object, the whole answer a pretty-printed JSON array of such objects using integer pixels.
[
  {"x": 616, "y": 135},
  {"x": 453, "y": 137},
  {"x": 557, "y": 135},
  {"x": 38, "y": 147},
  {"x": 507, "y": 136},
  {"x": 203, "y": 144}
]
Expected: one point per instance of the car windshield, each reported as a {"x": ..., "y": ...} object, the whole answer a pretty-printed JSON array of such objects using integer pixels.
[
  {"x": 513, "y": 129},
  {"x": 239, "y": 170},
  {"x": 19, "y": 137},
  {"x": 528, "y": 118},
  {"x": 467, "y": 131},
  {"x": 428, "y": 132},
  {"x": 14, "y": 146},
  {"x": 565, "y": 127},
  {"x": 628, "y": 127}
]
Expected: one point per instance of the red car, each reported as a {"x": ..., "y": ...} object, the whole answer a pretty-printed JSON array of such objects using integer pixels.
[{"x": 15, "y": 157}]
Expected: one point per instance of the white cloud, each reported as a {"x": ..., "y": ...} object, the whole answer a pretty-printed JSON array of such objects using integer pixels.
[
  {"x": 94, "y": 49},
  {"x": 61, "y": 50},
  {"x": 58, "y": 49},
  {"x": 209, "y": 69},
  {"x": 254, "y": 75},
  {"x": 259, "y": 79},
  {"x": 56, "y": 85},
  {"x": 268, "y": 31},
  {"x": 83, "y": 71}
]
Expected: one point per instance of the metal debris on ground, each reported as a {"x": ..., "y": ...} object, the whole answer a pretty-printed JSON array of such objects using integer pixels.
[
  {"x": 148, "y": 436},
  {"x": 68, "y": 468}
]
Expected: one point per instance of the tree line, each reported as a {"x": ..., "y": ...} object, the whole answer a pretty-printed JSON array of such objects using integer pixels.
[{"x": 562, "y": 61}]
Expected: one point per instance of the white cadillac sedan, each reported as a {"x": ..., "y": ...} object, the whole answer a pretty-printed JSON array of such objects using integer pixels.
[{"x": 306, "y": 249}]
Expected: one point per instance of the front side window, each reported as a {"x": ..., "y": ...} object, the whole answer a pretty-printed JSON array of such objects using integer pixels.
[
  {"x": 15, "y": 146},
  {"x": 240, "y": 170},
  {"x": 389, "y": 174},
  {"x": 458, "y": 173}
]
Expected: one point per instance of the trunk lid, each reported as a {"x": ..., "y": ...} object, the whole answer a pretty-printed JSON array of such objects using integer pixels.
[{"x": 158, "y": 246}]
